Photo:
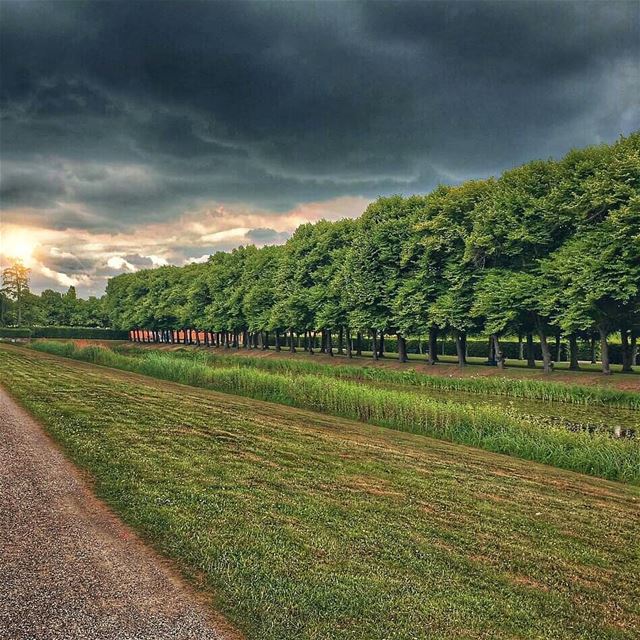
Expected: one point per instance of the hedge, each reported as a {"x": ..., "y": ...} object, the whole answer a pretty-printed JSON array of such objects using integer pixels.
[
  {"x": 79, "y": 333},
  {"x": 15, "y": 332}
]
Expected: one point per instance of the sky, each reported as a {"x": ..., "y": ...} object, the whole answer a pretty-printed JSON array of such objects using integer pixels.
[{"x": 137, "y": 134}]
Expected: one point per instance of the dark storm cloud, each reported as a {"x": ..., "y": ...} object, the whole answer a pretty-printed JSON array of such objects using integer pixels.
[
  {"x": 117, "y": 113},
  {"x": 263, "y": 235},
  {"x": 66, "y": 262}
]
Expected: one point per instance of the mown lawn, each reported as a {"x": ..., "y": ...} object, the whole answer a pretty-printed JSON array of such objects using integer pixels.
[{"x": 306, "y": 526}]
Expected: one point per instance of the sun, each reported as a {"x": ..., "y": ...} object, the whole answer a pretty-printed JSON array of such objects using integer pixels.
[{"x": 17, "y": 245}]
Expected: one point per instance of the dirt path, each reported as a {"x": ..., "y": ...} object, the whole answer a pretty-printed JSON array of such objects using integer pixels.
[{"x": 69, "y": 569}]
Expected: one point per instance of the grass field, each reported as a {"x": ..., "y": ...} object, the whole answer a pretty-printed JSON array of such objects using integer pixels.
[
  {"x": 589, "y": 375},
  {"x": 311, "y": 527},
  {"x": 312, "y": 386}
]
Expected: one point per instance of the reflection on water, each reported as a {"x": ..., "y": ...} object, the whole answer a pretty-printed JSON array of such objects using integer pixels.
[
  {"x": 594, "y": 419},
  {"x": 616, "y": 432}
]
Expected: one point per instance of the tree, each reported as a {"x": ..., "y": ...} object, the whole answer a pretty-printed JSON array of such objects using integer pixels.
[
  {"x": 598, "y": 279},
  {"x": 15, "y": 285},
  {"x": 443, "y": 275}
]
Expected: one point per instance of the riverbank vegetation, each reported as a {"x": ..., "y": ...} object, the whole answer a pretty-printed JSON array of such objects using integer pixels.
[{"x": 336, "y": 393}]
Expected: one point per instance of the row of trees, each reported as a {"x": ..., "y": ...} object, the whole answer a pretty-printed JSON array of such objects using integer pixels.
[
  {"x": 19, "y": 306},
  {"x": 549, "y": 247}
]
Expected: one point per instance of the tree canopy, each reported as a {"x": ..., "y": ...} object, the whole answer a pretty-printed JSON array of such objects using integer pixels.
[{"x": 549, "y": 248}]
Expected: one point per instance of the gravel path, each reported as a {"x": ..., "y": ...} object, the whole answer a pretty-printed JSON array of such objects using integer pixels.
[{"x": 69, "y": 569}]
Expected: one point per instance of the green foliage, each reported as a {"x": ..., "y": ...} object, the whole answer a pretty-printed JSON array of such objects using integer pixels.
[
  {"x": 15, "y": 287},
  {"x": 79, "y": 333},
  {"x": 15, "y": 332},
  {"x": 551, "y": 247}
]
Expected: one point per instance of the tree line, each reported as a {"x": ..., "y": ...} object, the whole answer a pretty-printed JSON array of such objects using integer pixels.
[
  {"x": 549, "y": 248},
  {"x": 20, "y": 307}
]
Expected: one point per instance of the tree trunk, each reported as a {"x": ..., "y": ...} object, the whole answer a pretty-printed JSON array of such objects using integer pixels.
[
  {"x": 359, "y": 343},
  {"x": 292, "y": 346},
  {"x": 573, "y": 352},
  {"x": 604, "y": 351},
  {"x": 340, "y": 341},
  {"x": 381, "y": 345},
  {"x": 265, "y": 344},
  {"x": 593, "y": 350},
  {"x": 626, "y": 351},
  {"x": 497, "y": 350},
  {"x": 310, "y": 341},
  {"x": 547, "y": 365},
  {"x": 402, "y": 349},
  {"x": 520, "y": 347},
  {"x": 329, "y": 343},
  {"x": 278, "y": 347},
  {"x": 531, "y": 354},
  {"x": 634, "y": 348},
  {"x": 491, "y": 358},
  {"x": 349, "y": 346},
  {"x": 558, "y": 348},
  {"x": 432, "y": 355},
  {"x": 374, "y": 343},
  {"x": 459, "y": 337}
]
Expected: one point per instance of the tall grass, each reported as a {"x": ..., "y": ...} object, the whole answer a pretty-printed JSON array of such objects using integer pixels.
[
  {"x": 477, "y": 426},
  {"x": 493, "y": 385}
]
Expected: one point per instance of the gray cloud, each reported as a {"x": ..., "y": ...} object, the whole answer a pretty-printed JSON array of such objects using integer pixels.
[
  {"x": 119, "y": 114},
  {"x": 264, "y": 235}
]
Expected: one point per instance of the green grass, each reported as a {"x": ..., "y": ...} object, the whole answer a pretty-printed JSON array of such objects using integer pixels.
[
  {"x": 307, "y": 527},
  {"x": 493, "y": 385},
  {"x": 479, "y": 426}
]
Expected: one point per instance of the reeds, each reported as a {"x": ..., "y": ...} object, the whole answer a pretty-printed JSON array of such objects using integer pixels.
[
  {"x": 489, "y": 385},
  {"x": 464, "y": 423}
]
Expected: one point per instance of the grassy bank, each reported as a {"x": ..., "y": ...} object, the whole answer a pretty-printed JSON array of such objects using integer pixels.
[
  {"x": 494, "y": 385},
  {"x": 308, "y": 527},
  {"x": 462, "y": 423}
]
